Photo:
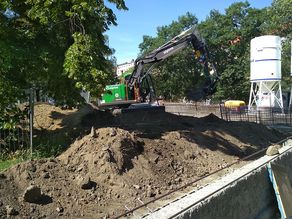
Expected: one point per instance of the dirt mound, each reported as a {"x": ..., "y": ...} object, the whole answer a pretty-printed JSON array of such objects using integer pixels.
[
  {"x": 49, "y": 117},
  {"x": 110, "y": 150},
  {"x": 126, "y": 157},
  {"x": 211, "y": 118}
]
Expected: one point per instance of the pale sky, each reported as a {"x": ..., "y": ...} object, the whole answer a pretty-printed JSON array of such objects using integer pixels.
[{"x": 144, "y": 16}]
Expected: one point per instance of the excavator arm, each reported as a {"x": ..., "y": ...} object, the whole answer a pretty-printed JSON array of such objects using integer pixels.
[
  {"x": 138, "y": 87},
  {"x": 185, "y": 39}
]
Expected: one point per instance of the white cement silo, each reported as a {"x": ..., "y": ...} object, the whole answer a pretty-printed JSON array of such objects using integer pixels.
[
  {"x": 290, "y": 101},
  {"x": 265, "y": 72}
]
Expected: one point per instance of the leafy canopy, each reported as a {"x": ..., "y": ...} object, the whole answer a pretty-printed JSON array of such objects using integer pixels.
[{"x": 57, "y": 47}]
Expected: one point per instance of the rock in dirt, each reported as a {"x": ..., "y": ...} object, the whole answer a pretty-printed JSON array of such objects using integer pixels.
[
  {"x": 93, "y": 132},
  {"x": 10, "y": 210},
  {"x": 46, "y": 175},
  {"x": 32, "y": 167},
  {"x": 2, "y": 176},
  {"x": 189, "y": 155},
  {"x": 150, "y": 192},
  {"x": 32, "y": 194},
  {"x": 113, "y": 132},
  {"x": 59, "y": 209},
  {"x": 137, "y": 186},
  {"x": 273, "y": 150},
  {"x": 86, "y": 183}
]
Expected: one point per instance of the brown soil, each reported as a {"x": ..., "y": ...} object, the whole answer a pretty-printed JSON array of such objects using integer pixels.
[{"x": 126, "y": 157}]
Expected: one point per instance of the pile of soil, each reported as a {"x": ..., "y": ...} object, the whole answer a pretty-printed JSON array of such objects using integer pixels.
[{"x": 126, "y": 157}]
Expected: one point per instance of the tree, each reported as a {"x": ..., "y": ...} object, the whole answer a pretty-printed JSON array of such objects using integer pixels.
[
  {"x": 57, "y": 41},
  {"x": 57, "y": 47},
  {"x": 228, "y": 37},
  {"x": 280, "y": 24}
]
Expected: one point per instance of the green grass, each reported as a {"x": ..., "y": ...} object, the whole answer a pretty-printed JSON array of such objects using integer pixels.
[
  {"x": 40, "y": 151},
  {"x": 5, "y": 164},
  {"x": 8, "y": 160}
]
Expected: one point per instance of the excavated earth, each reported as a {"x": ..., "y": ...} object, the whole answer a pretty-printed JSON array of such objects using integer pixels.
[{"x": 123, "y": 157}]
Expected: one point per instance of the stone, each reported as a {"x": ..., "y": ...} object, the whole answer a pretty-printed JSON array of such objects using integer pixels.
[
  {"x": 53, "y": 160},
  {"x": 32, "y": 168},
  {"x": 156, "y": 159},
  {"x": 46, "y": 175},
  {"x": 32, "y": 194},
  {"x": 86, "y": 183},
  {"x": 60, "y": 209},
  {"x": 137, "y": 186},
  {"x": 158, "y": 191},
  {"x": 32, "y": 209},
  {"x": 2, "y": 176},
  {"x": 93, "y": 133},
  {"x": 178, "y": 180},
  {"x": 10, "y": 210},
  {"x": 273, "y": 150},
  {"x": 113, "y": 132},
  {"x": 79, "y": 169},
  {"x": 188, "y": 155},
  {"x": 149, "y": 192}
]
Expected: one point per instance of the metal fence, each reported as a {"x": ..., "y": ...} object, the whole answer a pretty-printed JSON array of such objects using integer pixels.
[
  {"x": 265, "y": 116},
  {"x": 19, "y": 137},
  {"x": 14, "y": 139},
  {"x": 197, "y": 109}
]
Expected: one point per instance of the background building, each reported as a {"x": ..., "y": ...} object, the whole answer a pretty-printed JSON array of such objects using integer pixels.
[{"x": 124, "y": 67}]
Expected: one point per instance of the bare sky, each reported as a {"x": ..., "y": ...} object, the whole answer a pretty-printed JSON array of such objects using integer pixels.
[{"x": 144, "y": 16}]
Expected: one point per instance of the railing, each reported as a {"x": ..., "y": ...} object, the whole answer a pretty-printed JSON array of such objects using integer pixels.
[
  {"x": 265, "y": 116},
  {"x": 193, "y": 109},
  {"x": 12, "y": 140}
]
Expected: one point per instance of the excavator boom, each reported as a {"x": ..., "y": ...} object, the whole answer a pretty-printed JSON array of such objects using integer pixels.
[{"x": 139, "y": 86}]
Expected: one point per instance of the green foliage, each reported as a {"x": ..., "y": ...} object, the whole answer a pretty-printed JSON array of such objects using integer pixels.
[
  {"x": 47, "y": 150},
  {"x": 280, "y": 20},
  {"x": 280, "y": 24},
  {"x": 9, "y": 159},
  {"x": 6, "y": 163},
  {"x": 86, "y": 65},
  {"x": 228, "y": 38},
  {"x": 57, "y": 47}
]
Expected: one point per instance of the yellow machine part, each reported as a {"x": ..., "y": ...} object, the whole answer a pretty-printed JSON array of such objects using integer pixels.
[{"x": 234, "y": 103}]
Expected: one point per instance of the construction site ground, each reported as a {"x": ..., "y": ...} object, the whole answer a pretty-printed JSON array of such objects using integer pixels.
[{"x": 116, "y": 160}]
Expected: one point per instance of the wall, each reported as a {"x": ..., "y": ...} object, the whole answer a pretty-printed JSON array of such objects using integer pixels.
[
  {"x": 196, "y": 109},
  {"x": 246, "y": 193}
]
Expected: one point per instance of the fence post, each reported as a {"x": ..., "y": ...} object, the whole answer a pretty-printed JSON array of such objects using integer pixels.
[
  {"x": 289, "y": 116},
  {"x": 221, "y": 111},
  {"x": 286, "y": 122},
  {"x": 259, "y": 117},
  {"x": 31, "y": 112},
  {"x": 273, "y": 119}
]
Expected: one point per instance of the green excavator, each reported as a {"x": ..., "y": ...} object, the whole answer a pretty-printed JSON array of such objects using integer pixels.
[{"x": 137, "y": 89}]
